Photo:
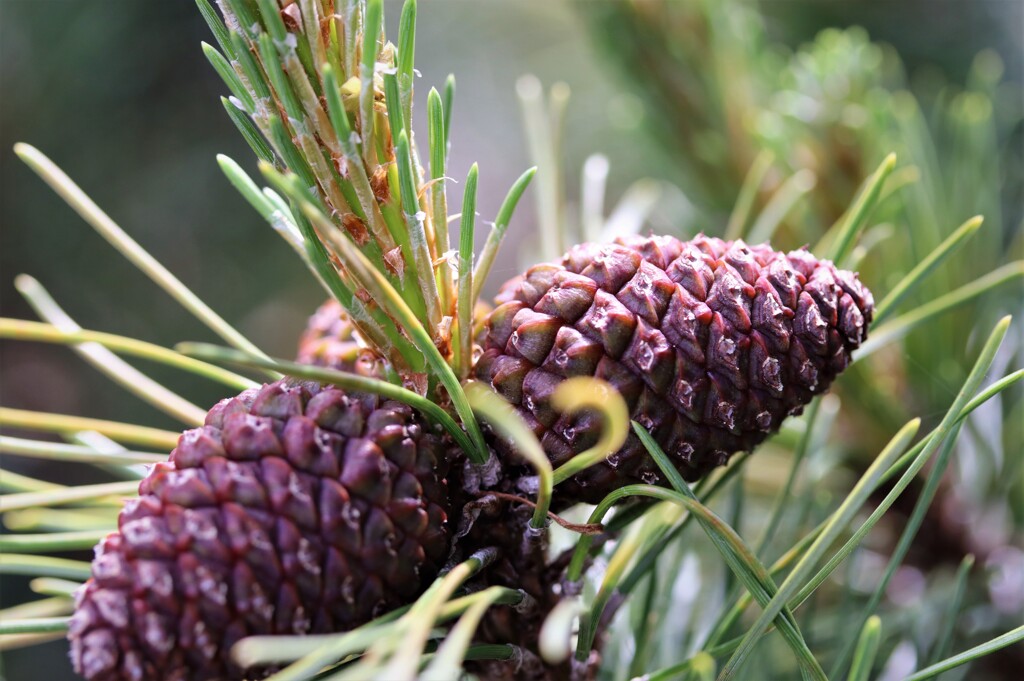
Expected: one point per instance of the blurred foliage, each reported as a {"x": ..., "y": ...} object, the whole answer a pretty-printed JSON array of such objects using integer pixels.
[
  {"x": 724, "y": 94},
  {"x": 830, "y": 111}
]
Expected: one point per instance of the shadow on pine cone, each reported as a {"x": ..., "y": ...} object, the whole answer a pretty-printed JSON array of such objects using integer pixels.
[
  {"x": 296, "y": 509},
  {"x": 330, "y": 341},
  {"x": 712, "y": 344},
  {"x": 493, "y": 518}
]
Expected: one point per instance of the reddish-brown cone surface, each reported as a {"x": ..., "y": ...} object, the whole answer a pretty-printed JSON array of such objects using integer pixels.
[
  {"x": 330, "y": 340},
  {"x": 712, "y": 344},
  {"x": 295, "y": 509}
]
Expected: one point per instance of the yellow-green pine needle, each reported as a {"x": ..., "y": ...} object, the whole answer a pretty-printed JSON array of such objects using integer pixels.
[
  {"x": 584, "y": 392},
  {"x": 36, "y": 625},
  {"x": 119, "y": 239},
  {"x": 44, "y": 566},
  {"x": 65, "y": 452},
  {"x": 955, "y": 240},
  {"x": 59, "y": 423},
  {"x": 900, "y": 326},
  {"x": 465, "y": 296},
  {"x": 748, "y": 194},
  {"x": 867, "y": 649},
  {"x": 342, "y": 379},
  {"x": 999, "y": 642},
  {"x": 371, "y": 36},
  {"x": 106, "y": 361},
  {"x": 111, "y": 492},
  {"x": 780, "y": 204},
  {"x": 18, "y": 329},
  {"x": 497, "y": 234},
  {"x": 49, "y": 542},
  {"x": 857, "y": 216}
]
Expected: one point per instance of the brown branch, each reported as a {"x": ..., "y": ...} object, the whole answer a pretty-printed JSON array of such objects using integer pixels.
[{"x": 580, "y": 528}]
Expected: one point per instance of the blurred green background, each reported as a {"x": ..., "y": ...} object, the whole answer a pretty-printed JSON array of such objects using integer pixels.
[{"x": 118, "y": 93}]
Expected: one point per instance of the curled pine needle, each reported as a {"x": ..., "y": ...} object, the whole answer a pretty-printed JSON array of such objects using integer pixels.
[{"x": 576, "y": 394}]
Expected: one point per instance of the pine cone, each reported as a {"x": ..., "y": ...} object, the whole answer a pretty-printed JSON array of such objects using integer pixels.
[
  {"x": 296, "y": 509},
  {"x": 711, "y": 343},
  {"x": 330, "y": 340},
  {"x": 492, "y": 518}
]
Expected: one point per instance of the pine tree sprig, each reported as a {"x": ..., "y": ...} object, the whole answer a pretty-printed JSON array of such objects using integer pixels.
[{"x": 860, "y": 492}]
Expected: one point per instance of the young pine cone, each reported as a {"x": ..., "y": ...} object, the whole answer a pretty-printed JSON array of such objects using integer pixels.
[
  {"x": 330, "y": 340},
  {"x": 712, "y": 344},
  {"x": 296, "y": 509}
]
